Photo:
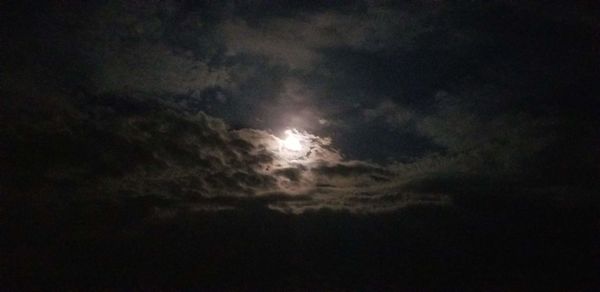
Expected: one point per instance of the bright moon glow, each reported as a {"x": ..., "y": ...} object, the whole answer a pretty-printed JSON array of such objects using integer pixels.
[{"x": 292, "y": 141}]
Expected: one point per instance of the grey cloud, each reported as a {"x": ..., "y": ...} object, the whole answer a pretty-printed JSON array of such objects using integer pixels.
[
  {"x": 153, "y": 47},
  {"x": 476, "y": 135},
  {"x": 500, "y": 144},
  {"x": 126, "y": 147},
  {"x": 156, "y": 69},
  {"x": 147, "y": 147},
  {"x": 296, "y": 42},
  {"x": 351, "y": 169},
  {"x": 390, "y": 112},
  {"x": 291, "y": 173}
]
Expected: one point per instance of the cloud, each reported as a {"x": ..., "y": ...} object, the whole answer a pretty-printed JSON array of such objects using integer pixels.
[
  {"x": 156, "y": 69},
  {"x": 475, "y": 136},
  {"x": 153, "y": 47},
  {"x": 393, "y": 114},
  {"x": 146, "y": 48},
  {"x": 113, "y": 142},
  {"x": 126, "y": 147},
  {"x": 500, "y": 144},
  {"x": 296, "y": 41},
  {"x": 123, "y": 147}
]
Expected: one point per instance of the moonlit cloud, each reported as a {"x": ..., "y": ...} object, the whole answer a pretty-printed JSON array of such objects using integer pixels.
[
  {"x": 375, "y": 145},
  {"x": 296, "y": 41},
  {"x": 158, "y": 70},
  {"x": 196, "y": 158},
  {"x": 198, "y": 102}
]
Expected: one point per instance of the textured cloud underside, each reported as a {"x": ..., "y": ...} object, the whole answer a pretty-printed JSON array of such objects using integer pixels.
[{"x": 128, "y": 147}]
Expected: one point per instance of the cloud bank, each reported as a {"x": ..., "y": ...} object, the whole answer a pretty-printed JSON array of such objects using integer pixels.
[
  {"x": 185, "y": 101},
  {"x": 114, "y": 147}
]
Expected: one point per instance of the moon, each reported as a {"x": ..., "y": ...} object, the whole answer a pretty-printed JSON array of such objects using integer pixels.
[{"x": 291, "y": 141}]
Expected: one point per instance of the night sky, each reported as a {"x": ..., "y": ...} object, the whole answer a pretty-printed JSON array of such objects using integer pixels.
[{"x": 300, "y": 145}]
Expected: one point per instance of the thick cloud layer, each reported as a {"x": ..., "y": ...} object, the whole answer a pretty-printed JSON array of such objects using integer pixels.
[
  {"x": 316, "y": 145},
  {"x": 136, "y": 98},
  {"x": 115, "y": 147}
]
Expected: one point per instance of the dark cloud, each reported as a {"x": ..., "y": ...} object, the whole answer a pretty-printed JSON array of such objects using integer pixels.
[
  {"x": 292, "y": 174},
  {"x": 440, "y": 87},
  {"x": 297, "y": 42},
  {"x": 495, "y": 243},
  {"x": 112, "y": 146},
  {"x": 352, "y": 169},
  {"x": 443, "y": 143}
]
